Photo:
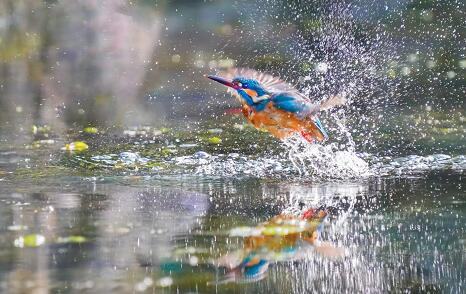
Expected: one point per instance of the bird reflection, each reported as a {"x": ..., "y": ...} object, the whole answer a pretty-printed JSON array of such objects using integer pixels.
[{"x": 284, "y": 237}]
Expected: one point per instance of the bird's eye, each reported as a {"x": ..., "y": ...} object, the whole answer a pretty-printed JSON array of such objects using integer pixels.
[{"x": 245, "y": 85}]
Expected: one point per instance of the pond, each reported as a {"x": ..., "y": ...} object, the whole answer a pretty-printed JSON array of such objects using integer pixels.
[
  {"x": 123, "y": 169},
  {"x": 142, "y": 220}
]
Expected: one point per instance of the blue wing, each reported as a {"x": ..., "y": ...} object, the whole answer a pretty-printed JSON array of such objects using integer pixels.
[
  {"x": 295, "y": 103},
  {"x": 290, "y": 102}
]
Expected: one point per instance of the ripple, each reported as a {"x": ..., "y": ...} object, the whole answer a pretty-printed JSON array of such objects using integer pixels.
[
  {"x": 300, "y": 161},
  {"x": 123, "y": 159},
  {"x": 415, "y": 164}
]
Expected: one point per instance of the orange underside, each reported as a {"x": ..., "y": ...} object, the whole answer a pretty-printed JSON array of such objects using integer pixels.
[
  {"x": 273, "y": 243},
  {"x": 277, "y": 242},
  {"x": 282, "y": 124}
]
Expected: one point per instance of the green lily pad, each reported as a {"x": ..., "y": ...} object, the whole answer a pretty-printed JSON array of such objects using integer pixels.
[
  {"x": 31, "y": 241},
  {"x": 72, "y": 239},
  {"x": 91, "y": 130},
  {"x": 214, "y": 140},
  {"x": 76, "y": 146}
]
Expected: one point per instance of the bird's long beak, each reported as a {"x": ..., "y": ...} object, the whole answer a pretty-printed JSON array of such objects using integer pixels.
[{"x": 223, "y": 82}]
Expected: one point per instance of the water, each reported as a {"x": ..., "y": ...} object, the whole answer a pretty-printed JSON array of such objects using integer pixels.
[
  {"x": 123, "y": 170},
  {"x": 144, "y": 223},
  {"x": 397, "y": 238}
]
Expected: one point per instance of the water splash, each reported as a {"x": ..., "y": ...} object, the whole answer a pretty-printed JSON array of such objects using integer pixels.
[
  {"x": 326, "y": 49},
  {"x": 124, "y": 159},
  {"x": 317, "y": 162},
  {"x": 324, "y": 161},
  {"x": 305, "y": 162},
  {"x": 375, "y": 243}
]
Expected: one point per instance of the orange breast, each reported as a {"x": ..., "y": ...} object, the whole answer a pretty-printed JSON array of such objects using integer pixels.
[{"x": 280, "y": 123}]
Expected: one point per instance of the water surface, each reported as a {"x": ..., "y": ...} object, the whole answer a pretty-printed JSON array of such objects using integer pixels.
[{"x": 163, "y": 231}]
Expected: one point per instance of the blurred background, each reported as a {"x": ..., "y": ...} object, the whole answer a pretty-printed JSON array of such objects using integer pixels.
[{"x": 126, "y": 63}]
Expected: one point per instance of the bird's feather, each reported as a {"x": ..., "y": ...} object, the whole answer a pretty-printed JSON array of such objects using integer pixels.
[
  {"x": 289, "y": 101},
  {"x": 270, "y": 83},
  {"x": 332, "y": 101}
]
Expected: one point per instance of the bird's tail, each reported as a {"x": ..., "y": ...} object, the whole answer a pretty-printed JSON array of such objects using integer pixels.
[
  {"x": 313, "y": 130},
  {"x": 332, "y": 101}
]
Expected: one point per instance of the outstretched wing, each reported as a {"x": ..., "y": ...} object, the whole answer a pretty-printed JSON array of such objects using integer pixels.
[
  {"x": 296, "y": 103},
  {"x": 287, "y": 96},
  {"x": 290, "y": 102},
  {"x": 270, "y": 83}
]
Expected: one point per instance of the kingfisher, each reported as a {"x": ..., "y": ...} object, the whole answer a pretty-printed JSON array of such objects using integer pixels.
[
  {"x": 270, "y": 103},
  {"x": 284, "y": 237}
]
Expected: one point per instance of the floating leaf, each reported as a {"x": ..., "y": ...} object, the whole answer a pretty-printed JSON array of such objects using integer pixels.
[
  {"x": 215, "y": 140},
  {"x": 76, "y": 146},
  {"x": 91, "y": 130},
  {"x": 32, "y": 240},
  {"x": 72, "y": 239}
]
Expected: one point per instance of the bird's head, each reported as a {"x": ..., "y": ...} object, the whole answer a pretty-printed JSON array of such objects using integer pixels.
[{"x": 241, "y": 84}]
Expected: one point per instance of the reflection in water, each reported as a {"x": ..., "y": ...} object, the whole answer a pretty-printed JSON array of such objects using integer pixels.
[
  {"x": 282, "y": 238},
  {"x": 127, "y": 229},
  {"x": 141, "y": 234}
]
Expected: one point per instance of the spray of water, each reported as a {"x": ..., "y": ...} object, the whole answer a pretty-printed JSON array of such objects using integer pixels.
[
  {"x": 324, "y": 161},
  {"x": 325, "y": 49}
]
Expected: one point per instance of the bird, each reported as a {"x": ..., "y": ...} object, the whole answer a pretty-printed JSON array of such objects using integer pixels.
[
  {"x": 275, "y": 105},
  {"x": 284, "y": 237}
]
